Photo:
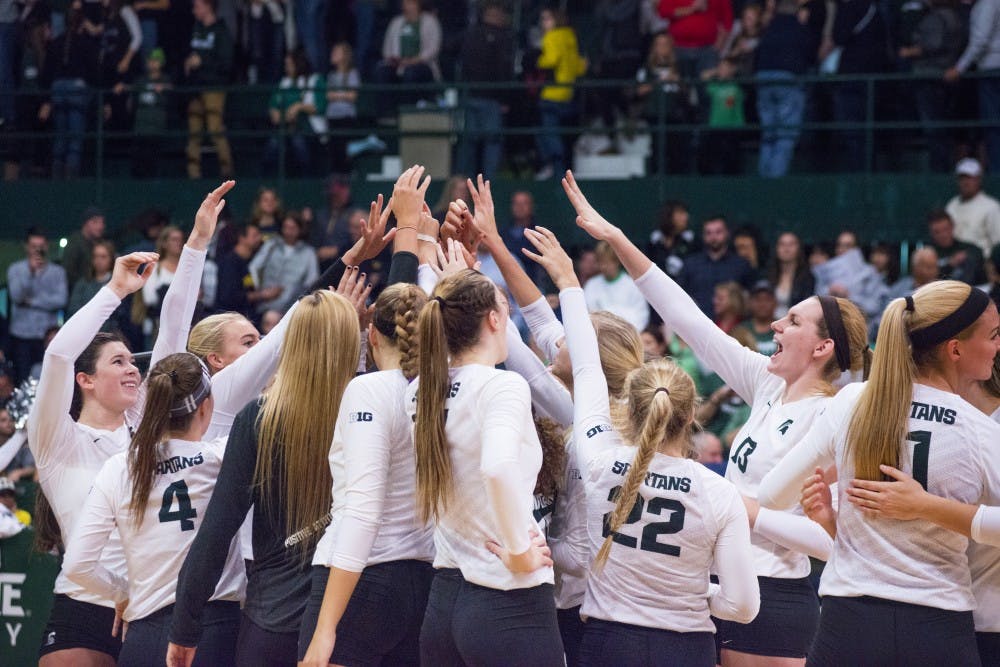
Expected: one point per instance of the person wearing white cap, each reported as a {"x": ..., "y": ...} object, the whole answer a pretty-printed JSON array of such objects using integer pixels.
[{"x": 976, "y": 214}]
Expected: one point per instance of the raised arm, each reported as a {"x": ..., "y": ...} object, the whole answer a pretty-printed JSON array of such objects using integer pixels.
[
  {"x": 49, "y": 421},
  {"x": 548, "y": 395},
  {"x": 10, "y": 448},
  {"x": 741, "y": 368}
]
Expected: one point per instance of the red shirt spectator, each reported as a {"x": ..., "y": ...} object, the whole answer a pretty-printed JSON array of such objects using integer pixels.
[{"x": 697, "y": 24}]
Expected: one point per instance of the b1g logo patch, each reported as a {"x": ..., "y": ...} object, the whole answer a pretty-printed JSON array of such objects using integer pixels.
[{"x": 360, "y": 417}]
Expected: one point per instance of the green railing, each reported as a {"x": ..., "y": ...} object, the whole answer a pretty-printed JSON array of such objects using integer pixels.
[{"x": 886, "y": 134}]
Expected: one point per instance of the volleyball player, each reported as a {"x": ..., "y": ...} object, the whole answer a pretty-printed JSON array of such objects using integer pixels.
[
  {"x": 477, "y": 461},
  {"x": 817, "y": 340},
  {"x": 905, "y": 499},
  {"x": 898, "y": 592},
  {"x": 156, "y": 495},
  {"x": 85, "y": 402}
]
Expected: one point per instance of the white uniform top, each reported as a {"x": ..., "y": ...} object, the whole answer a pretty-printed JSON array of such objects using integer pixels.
[
  {"x": 67, "y": 454},
  {"x": 154, "y": 551},
  {"x": 684, "y": 518},
  {"x": 771, "y": 431},
  {"x": 984, "y": 566},
  {"x": 374, "y": 512},
  {"x": 495, "y": 457},
  {"x": 949, "y": 451}
]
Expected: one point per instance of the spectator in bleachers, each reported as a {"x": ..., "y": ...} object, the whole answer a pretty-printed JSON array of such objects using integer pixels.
[
  {"x": 716, "y": 263},
  {"x": 487, "y": 56},
  {"x": 585, "y": 265},
  {"x": 849, "y": 276},
  {"x": 659, "y": 86},
  {"x": 120, "y": 41},
  {"x": 73, "y": 59},
  {"x": 957, "y": 259},
  {"x": 22, "y": 465},
  {"x": 725, "y": 119},
  {"x": 285, "y": 261},
  {"x": 619, "y": 54},
  {"x": 329, "y": 226},
  {"x": 787, "y": 50},
  {"x": 208, "y": 65},
  {"x": 613, "y": 290},
  {"x": 150, "y": 13},
  {"x": 983, "y": 51},
  {"x": 860, "y": 32},
  {"x": 741, "y": 45},
  {"x": 29, "y": 155},
  {"x": 924, "y": 265},
  {"x": 556, "y": 106},
  {"x": 522, "y": 217},
  {"x": 654, "y": 343},
  {"x": 708, "y": 447},
  {"x": 409, "y": 53},
  {"x": 148, "y": 223},
  {"x": 297, "y": 114},
  {"x": 789, "y": 273},
  {"x": 761, "y": 308},
  {"x": 885, "y": 259},
  {"x": 266, "y": 212},
  {"x": 976, "y": 214},
  {"x": 729, "y": 304},
  {"x": 454, "y": 188},
  {"x": 266, "y": 41},
  {"x": 700, "y": 29},
  {"x": 937, "y": 41},
  {"x": 672, "y": 241},
  {"x": 102, "y": 260},
  {"x": 310, "y": 28},
  {"x": 169, "y": 246},
  {"x": 150, "y": 95},
  {"x": 80, "y": 245},
  {"x": 237, "y": 291},
  {"x": 747, "y": 244},
  {"x": 37, "y": 290},
  {"x": 342, "y": 82}
]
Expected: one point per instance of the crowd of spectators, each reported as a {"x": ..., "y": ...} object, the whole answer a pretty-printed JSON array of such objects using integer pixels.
[
  {"x": 743, "y": 279},
  {"x": 720, "y": 66}
]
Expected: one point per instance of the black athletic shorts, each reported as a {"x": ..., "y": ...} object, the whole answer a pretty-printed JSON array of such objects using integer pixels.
[
  {"x": 75, "y": 624},
  {"x": 625, "y": 645},
  {"x": 785, "y": 625},
  {"x": 381, "y": 624},
  {"x": 989, "y": 648},
  {"x": 571, "y": 628},
  {"x": 870, "y": 632},
  {"x": 147, "y": 638},
  {"x": 467, "y": 624}
]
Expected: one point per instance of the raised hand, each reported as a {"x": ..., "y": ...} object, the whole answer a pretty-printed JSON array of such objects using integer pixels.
[
  {"x": 536, "y": 557},
  {"x": 450, "y": 260},
  {"x": 125, "y": 278},
  {"x": 354, "y": 288},
  {"x": 207, "y": 216},
  {"x": 408, "y": 196},
  {"x": 374, "y": 238},
  {"x": 484, "y": 218},
  {"x": 551, "y": 256},
  {"x": 587, "y": 217}
]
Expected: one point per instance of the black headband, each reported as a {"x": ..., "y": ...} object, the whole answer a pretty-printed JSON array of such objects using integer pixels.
[
  {"x": 188, "y": 404},
  {"x": 974, "y": 305},
  {"x": 835, "y": 327}
]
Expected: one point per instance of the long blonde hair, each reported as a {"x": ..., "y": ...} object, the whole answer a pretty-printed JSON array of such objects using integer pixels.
[
  {"x": 620, "y": 348},
  {"x": 654, "y": 417},
  {"x": 318, "y": 357},
  {"x": 207, "y": 336},
  {"x": 878, "y": 425},
  {"x": 395, "y": 317},
  {"x": 444, "y": 328}
]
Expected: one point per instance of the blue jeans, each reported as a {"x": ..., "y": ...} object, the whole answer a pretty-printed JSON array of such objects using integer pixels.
[
  {"x": 8, "y": 52},
  {"x": 780, "y": 105},
  {"x": 483, "y": 127},
  {"x": 310, "y": 24},
  {"x": 989, "y": 110},
  {"x": 150, "y": 35},
  {"x": 550, "y": 143},
  {"x": 70, "y": 100},
  {"x": 297, "y": 147}
]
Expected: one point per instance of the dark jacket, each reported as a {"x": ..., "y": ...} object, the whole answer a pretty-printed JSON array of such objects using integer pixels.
[
  {"x": 214, "y": 45},
  {"x": 701, "y": 274},
  {"x": 488, "y": 55}
]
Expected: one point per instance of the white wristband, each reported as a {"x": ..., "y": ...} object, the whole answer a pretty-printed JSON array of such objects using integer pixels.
[{"x": 426, "y": 238}]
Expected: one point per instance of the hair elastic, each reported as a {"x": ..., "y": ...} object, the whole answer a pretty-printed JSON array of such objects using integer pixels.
[
  {"x": 909, "y": 303},
  {"x": 441, "y": 301},
  {"x": 188, "y": 404},
  {"x": 835, "y": 327},
  {"x": 974, "y": 305},
  {"x": 663, "y": 389}
]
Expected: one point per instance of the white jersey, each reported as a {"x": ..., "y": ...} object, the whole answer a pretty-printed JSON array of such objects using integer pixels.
[
  {"x": 685, "y": 517},
  {"x": 67, "y": 454},
  {"x": 948, "y": 450},
  {"x": 495, "y": 457},
  {"x": 771, "y": 431},
  {"x": 374, "y": 517},
  {"x": 155, "y": 551},
  {"x": 984, "y": 566}
]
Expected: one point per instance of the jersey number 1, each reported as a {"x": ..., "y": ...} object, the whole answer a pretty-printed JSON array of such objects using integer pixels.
[
  {"x": 184, "y": 512},
  {"x": 921, "y": 454},
  {"x": 652, "y": 530}
]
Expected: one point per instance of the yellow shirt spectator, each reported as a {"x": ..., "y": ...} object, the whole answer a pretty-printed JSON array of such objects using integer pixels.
[{"x": 561, "y": 55}]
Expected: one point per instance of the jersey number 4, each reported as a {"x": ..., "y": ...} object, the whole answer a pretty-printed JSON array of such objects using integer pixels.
[
  {"x": 652, "y": 530},
  {"x": 184, "y": 512}
]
